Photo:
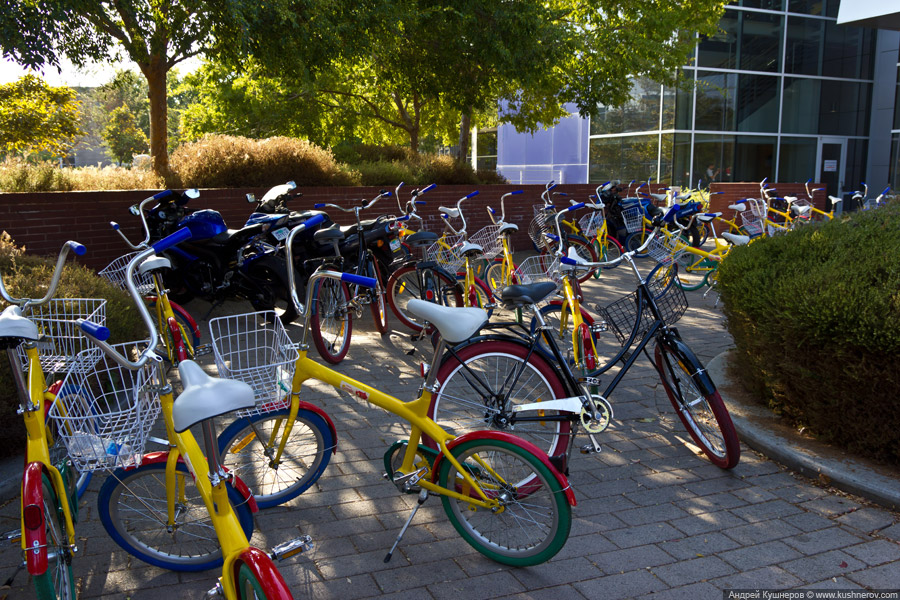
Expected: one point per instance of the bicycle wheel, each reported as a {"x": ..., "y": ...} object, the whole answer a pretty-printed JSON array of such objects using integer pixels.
[
  {"x": 248, "y": 445},
  {"x": 534, "y": 519},
  {"x": 584, "y": 249},
  {"x": 692, "y": 270},
  {"x": 553, "y": 316},
  {"x": 132, "y": 506},
  {"x": 662, "y": 277},
  {"x": 407, "y": 283},
  {"x": 499, "y": 275},
  {"x": 379, "y": 302},
  {"x": 479, "y": 387},
  {"x": 704, "y": 416},
  {"x": 57, "y": 581},
  {"x": 331, "y": 324},
  {"x": 636, "y": 240},
  {"x": 253, "y": 585},
  {"x": 610, "y": 250}
]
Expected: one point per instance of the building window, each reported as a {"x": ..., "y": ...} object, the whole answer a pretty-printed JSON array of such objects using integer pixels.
[
  {"x": 640, "y": 112},
  {"x": 719, "y": 51},
  {"x": 675, "y": 167},
  {"x": 797, "y": 159},
  {"x": 715, "y": 101},
  {"x": 757, "y": 102},
  {"x": 626, "y": 158},
  {"x": 754, "y": 159},
  {"x": 825, "y": 8},
  {"x": 894, "y": 173},
  {"x": 714, "y": 158},
  {"x": 848, "y": 52},
  {"x": 804, "y": 46},
  {"x": 760, "y": 44},
  {"x": 486, "y": 157}
]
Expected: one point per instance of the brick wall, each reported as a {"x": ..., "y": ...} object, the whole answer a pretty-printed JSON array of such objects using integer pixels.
[{"x": 43, "y": 221}]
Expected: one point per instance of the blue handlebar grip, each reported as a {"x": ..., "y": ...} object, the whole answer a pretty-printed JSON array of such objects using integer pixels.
[
  {"x": 114, "y": 225},
  {"x": 403, "y": 218},
  {"x": 886, "y": 190},
  {"x": 182, "y": 235},
  {"x": 862, "y": 183},
  {"x": 162, "y": 194},
  {"x": 567, "y": 261},
  {"x": 493, "y": 212},
  {"x": 429, "y": 188},
  {"x": 420, "y": 202},
  {"x": 552, "y": 236},
  {"x": 362, "y": 280},
  {"x": 77, "y": 248},
  {"x": 318, "y": 205},
  {"x": 312, "y": 222},
  {"x": 475, "y": 193},
  {"x": 98, "y": 331},
  {"x": 517, "y": 192},
  {"x": 576, "y": 206}
]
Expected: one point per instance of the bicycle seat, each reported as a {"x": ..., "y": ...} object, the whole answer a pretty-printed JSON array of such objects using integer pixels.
[
  {"x": 519, "y": 295},
  {"x": 741, "y": 207},
  {"x": 421, "y": 238},
  {"x": 14, "y": 325},
  {"x": 707, "y": 217},
  {"x": 737, "y": 240},
  {"x": 153, "y": 263},
  {"x": 328, "y": 235},
  {"x": 469, "y": 247},
  {"x": 205, "y": 397},
  {"x": 452, "y": 212},
  {"x": 660, "y": 197},
  {"x": 455, "y": 324},
  {"x": 507, "y": 227}
]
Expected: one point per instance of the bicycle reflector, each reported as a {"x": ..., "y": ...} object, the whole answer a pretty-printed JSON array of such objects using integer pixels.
[{"x": 33, "y": 516}]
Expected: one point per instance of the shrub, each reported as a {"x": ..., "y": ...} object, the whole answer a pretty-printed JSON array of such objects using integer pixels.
[
  {"x": 355, "y": 154},
  {"x": 230, "y": 161},
  {"x": 27, "y": 276},
  {"x": 386, "y": 173},
  {"x": 20, "y": 176},
  {"x": 815, "y": 316}
]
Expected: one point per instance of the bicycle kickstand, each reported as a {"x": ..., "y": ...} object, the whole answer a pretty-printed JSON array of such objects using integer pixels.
[{"x": 423, "y": 496}]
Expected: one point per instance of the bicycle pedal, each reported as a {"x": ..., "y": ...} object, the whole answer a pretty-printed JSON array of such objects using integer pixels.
[
  {"x": 216, "y": 592},
  {"x": 406, "y": 483},
  {"x": 202, "y": 350},
  {"x": 13, "y": 535},
  {"x": 291, "y": 548},
  {"x": 599, "y": 327}
]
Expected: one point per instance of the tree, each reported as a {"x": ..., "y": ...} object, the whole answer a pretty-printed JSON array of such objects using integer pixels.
[
  {"x": 35, "y": 116},
  {"x": 155, "y": 34},
  {"x": 123, "y": 136}
]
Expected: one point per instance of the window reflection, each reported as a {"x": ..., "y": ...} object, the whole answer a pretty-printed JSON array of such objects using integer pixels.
[
  {"x": 760, "y": 43},
  {"x": 895, "y": 162},
  {"x": 797, "y": 160},
  {"x": 629, "y": 157},
  {"x": 804, "y": 38}
]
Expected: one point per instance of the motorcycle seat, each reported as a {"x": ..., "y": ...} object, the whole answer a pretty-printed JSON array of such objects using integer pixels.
[{"x": 421, "y": 238}]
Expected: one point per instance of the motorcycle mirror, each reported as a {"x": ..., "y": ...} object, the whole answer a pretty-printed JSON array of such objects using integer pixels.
[
  {"x": 192, "y": 193},
  {"x": 133, "y": 209},
  {"x": 292, "y": 185},
  {"x": 251, "y": 198}
]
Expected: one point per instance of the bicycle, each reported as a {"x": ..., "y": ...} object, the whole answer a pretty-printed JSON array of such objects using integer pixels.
[
  {"x": 332, "y": 323},
  {"x": 507, "y": 381},
  {"x": 169, "y": 315},
  {"x": 547, "y": 242},
  {"x": 502, "y": 494},
  {"x": 151, "y": 506},
  {"x": 424, "y": 278},
  {"x": 456, "y": 253},
  {"x": 502, "y": 272},
  {"x": 50, "y": 487}
]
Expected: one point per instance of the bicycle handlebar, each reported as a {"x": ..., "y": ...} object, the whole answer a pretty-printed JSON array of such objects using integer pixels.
[{"x": 67, "y": 247}]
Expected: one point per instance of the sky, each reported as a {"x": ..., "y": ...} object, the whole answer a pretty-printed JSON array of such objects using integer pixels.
[{"x": 91, "y": 76}]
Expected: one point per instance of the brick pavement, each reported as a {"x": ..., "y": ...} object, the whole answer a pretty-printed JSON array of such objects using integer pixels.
[{"x": 653, "y": 520}]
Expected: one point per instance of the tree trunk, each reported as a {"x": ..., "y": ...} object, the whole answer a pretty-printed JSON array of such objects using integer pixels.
[
  {"x": 465, "y": 135},
  {"x": 414, "y": 139},
  {"x": 155, "y": 73}
]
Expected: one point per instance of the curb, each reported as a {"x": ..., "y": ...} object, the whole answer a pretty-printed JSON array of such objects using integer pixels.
[{"x": 761, "y": 430}]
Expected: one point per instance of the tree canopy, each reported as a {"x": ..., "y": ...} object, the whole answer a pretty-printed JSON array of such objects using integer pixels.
[{"x": 35, "y": 116}]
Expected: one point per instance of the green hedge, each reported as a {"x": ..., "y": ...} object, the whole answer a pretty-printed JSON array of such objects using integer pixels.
[
  {"x": 27, "y": 276},
  {"x": 815, "y": 316}
]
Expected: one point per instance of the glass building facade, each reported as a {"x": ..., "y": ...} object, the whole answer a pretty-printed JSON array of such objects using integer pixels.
[{"x": 781, "y": 91}]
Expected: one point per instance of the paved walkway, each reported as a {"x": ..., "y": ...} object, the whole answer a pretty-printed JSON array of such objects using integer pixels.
[{"x": 654, "y": 519}]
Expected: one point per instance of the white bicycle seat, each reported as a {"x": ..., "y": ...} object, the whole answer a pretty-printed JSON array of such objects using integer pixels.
[
  {"x": 205, "y": 397},
  {"x": 456, "y": 324},
  {"x": 737, "y": 240},
  {"x": 14, "y": 325}
]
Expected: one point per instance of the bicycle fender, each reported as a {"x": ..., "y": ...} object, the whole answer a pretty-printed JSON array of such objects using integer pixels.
[
  {"x": 237, "y": 483},
  {"x": 516, "y": 441},
  {"x": 187, "y": 317},
  {"x": 268, "y": 576},
  {"x": 315, "y": 409},
  {"x": 685, "y": 355},
  {"x": 33, "y": 500}
]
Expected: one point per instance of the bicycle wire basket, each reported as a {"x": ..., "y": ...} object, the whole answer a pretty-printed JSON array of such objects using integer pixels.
[
  {"x": 666, "y": 247},
  {"x": 752, "y": 223},
  {"x": 115, "y": 272},
  {"x": 256, "y": 349},
  {"x": 540, "y": 224},
  {"x": 591, "y": 223},
  {"x": 536, "y": 269},
  {"x": 488, "y": 239},
  {"x": 633, "y": 215},
  {"x": 104, "y": 412},
  {"x": 621, "y": 314},
  {"x": 445, "y": 252},
  {"x": 61, "y": 337}
]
